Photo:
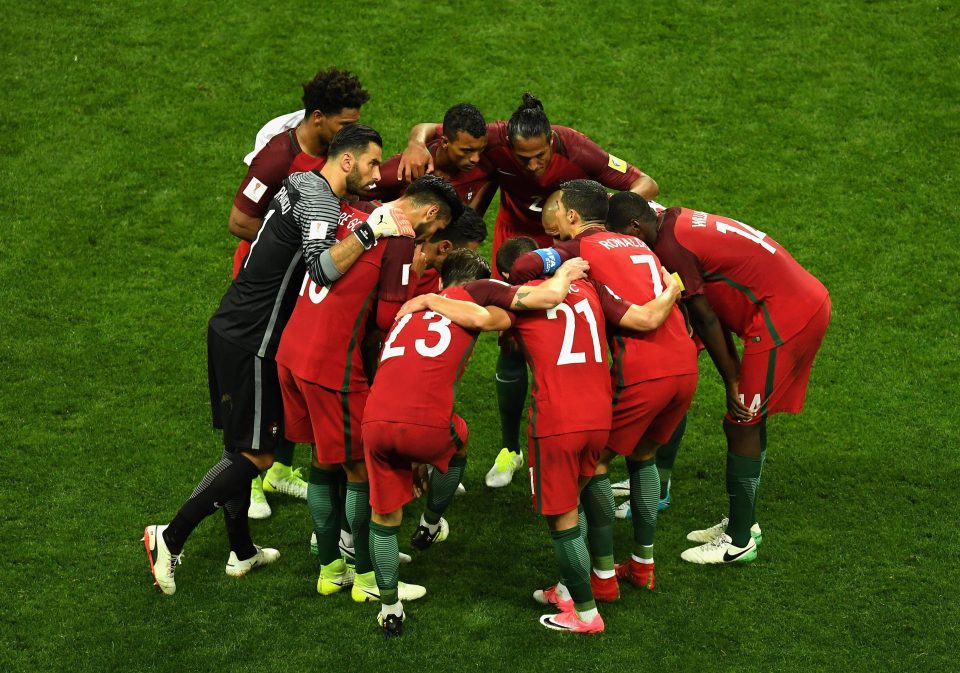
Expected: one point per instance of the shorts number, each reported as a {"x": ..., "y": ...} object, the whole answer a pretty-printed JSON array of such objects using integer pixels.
[
  {"x": 567, "y": 355},
  {"x": 317, "y": 295},
  {"x": 441, "y": 327},
  {"x": 655, "y": 278},
  {"x": 748, "y": 232}
]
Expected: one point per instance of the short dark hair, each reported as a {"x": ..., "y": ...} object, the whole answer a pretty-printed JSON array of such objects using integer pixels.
[
  {"x": 353, "y": 138},
  {"x": 511, "y": 250},
  {"x": 330, "y": 91},
  {"x": 433, "y": 190},
  {"x": 464, "y": 117},
  {"x": 587, "y": 197},
  {"x": 529, "y": 120},
  {"x": 626, "y": 207},
  {"x": 468, "y": 228},
  {"x": 463, "y": 266}
]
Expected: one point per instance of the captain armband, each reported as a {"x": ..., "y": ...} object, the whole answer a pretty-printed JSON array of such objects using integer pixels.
[{"x": 550, "y": 259}]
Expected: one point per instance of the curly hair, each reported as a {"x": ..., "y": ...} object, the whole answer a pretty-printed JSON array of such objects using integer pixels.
[
  {"x": 464, "y": 117},
  {"x": 330, "y": 91}
]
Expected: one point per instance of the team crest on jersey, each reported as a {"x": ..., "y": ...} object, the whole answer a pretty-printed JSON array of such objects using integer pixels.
[
  {"x": 617, "y": 164},
  {"x": 469, "y": 195}
]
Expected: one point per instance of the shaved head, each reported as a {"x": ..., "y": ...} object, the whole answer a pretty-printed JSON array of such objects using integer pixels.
[{"x": 549, "y": 215}]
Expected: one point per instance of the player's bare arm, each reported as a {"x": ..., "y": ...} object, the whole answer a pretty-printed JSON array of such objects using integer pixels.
[
  {"x": 553, "y": 291},
  {"x": 466, "y": 314},
  {"x": 242, "y": 225},
  {"x": 708, "y": 328},
  {"x": 645, "y": 186},
  {"x": 416, "y": 159},
  {"x": 656, "y": 311}
]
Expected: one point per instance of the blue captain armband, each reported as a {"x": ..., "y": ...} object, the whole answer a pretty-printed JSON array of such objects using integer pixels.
[{"x": 550, "y": 259}]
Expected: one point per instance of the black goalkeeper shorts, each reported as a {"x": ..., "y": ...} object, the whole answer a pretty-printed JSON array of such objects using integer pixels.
[{"x": 245, "y": 397}]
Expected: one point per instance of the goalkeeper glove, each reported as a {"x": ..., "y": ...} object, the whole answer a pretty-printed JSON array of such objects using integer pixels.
[{"x": 384, "y": 221}]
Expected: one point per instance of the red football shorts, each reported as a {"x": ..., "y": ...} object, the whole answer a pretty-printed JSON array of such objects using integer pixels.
[
  {"x": 328, "y": 419},
  {"x": 775, "y": 380},
  {"x": 503, "y": 231},
  {"x": 556, "y": 464},
  {"x": 651, "y": 409},
  {"x": 390, "y": 450}
]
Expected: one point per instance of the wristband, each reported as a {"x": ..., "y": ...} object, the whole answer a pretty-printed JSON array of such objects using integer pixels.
[
  {"x": 365, "y": 234},
  {"x": 550, "y": 259}
]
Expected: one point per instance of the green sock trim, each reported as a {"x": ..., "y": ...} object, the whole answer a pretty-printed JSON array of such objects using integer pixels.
[
  {"x": 383, "y": 553},
  {"x": 743, "y": 478},
  {"x": 573, "y": 559},
  {"x": 644, "y": 498},
  {"x": 511, "y": 384},
  {"x": 443, "y": 486},
  {"x": 599, "y": 506},
  {"x": 323, "y": 501},
  {"x": 358, "y": 514},
  {"x": 582, "y": 521}
]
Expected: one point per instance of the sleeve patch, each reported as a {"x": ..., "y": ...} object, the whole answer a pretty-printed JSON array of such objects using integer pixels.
[
  {"x": 318, "y": 230},
  {"x": 254, "y": 190},
  {"x": 617, "y": 164}
]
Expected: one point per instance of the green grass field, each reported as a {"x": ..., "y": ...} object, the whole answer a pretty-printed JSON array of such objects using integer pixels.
[{"x": 833, "y": 126}]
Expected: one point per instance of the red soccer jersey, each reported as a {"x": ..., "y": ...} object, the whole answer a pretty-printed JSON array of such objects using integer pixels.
[
  {"x": 424, "y": 352},
  {"x": 321, "y": 342},
  {"x": 707, "y": 249},
  {"x": 566, "y": 348},
  {"x": 280, "y": 157},
  {"x": 467, "y": 183},
  {"x": 574, "y": 156},
  {"x": 628, "y": 267}
]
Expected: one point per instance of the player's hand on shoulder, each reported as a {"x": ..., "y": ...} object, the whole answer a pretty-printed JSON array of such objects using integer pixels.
[
  {"x": 415, "y": 162},
  {"x": 388, "y": 221},
  {"x": 418, "y": 303},
  {"x": 574, "y": 268}
]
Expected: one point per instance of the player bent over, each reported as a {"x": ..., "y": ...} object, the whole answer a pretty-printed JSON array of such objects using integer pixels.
[
  {"x": 322, "y": 376},
  {"x": 565, "y": 348},
  {"x": 654, "y": 375},
  {"x": 738, "y": 280},
  {"x": 430, "y": 348}
]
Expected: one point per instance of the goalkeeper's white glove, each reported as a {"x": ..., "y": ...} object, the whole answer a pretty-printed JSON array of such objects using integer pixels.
[{"x": 384, "y": 221}]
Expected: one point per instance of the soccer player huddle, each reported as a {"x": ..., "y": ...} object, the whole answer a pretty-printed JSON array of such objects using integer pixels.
[{"x": 356, "y": 275}]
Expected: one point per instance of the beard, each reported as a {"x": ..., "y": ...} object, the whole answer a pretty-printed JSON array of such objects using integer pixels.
[{"x": 355, "y": 183}]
